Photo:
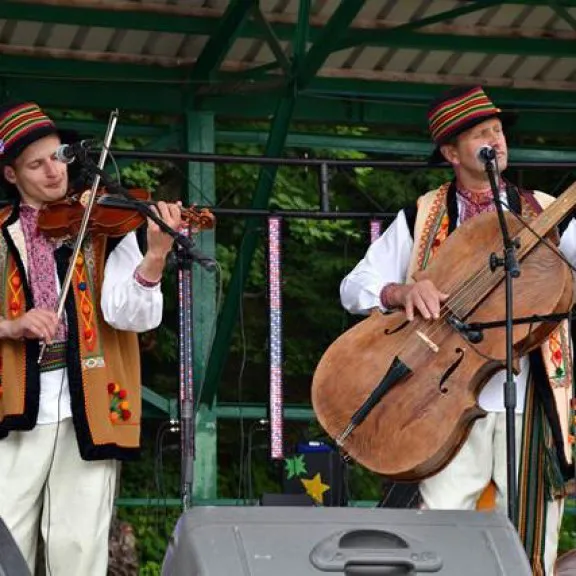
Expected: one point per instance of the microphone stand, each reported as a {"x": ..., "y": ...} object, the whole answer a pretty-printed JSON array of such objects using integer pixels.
[
  {"x": 512, "y": 270},
  {"x": 184, "y": 263}
]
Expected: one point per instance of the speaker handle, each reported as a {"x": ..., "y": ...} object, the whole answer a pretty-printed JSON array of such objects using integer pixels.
[{"x": 352, "y": 551}]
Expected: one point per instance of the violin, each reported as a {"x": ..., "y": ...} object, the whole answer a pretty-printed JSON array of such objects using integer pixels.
[{"x": 62, "y": 218}]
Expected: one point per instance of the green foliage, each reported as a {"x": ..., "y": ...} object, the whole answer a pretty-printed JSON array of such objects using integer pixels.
[
  {"x": 568, "y": 531},
  {"x": 155, "y": 476}
]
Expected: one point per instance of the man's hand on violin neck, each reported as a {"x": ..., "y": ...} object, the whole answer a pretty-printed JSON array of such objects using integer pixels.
[
  {"x": 422, "y": 297},
  {"x": 160, "y": 243},
  {"x": 36, "y": 323}
]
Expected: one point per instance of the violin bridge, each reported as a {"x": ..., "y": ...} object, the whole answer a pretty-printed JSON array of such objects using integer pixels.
[{"x": 428, "y": 342}]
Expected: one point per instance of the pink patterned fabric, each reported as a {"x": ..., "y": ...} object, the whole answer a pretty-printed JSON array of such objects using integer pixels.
[
  {"x": 474, "y": 203},
  {"x": 41, "y": 265}
]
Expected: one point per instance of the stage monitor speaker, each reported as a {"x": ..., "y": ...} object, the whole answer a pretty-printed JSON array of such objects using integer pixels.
[
  {"x": 12, "y": 562},
  {"x": 291, "y": 541}
]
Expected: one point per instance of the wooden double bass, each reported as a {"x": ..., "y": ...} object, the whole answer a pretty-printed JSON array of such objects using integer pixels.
[{"x": 432, "y": 369}]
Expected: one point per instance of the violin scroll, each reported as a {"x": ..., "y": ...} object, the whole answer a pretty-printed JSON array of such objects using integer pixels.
[{"x": 198, "y": 219}]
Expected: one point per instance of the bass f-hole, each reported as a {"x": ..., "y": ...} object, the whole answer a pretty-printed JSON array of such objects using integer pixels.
[{"x": 442, "y": 386}]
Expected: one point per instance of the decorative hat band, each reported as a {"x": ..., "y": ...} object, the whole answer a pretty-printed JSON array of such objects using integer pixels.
[
  {"x": 450, "y": 116},
  {"x": 18, "y": 123}
]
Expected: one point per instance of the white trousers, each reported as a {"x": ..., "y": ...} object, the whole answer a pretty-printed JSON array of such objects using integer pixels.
[
  {"x": 483, "y": 458},
  {"x": 42, "y": 474}
]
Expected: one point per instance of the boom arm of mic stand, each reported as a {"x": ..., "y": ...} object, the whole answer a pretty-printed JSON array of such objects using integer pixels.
[
  {"x": 124, "y": 200},
  {"x": 523, "y": 320}
]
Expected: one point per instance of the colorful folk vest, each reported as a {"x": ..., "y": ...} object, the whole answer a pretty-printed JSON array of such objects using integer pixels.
[
  {"x": 431, "y": 229},
  {"x": 102, "y": 363}
]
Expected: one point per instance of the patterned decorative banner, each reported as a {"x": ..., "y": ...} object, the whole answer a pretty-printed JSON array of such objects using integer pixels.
[
  {"x": 275, "y": 299},
  {"x": 375, "y": 230},
  {"x": 186, "y": 360}
]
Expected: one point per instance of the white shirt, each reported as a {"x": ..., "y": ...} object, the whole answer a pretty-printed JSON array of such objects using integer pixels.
[
  {"x": 387, "y": 260},
  {"x": 125, "y": 304}
]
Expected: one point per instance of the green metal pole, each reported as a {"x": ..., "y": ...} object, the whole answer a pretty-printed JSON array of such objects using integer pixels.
[{"x": 199, "y": 137}]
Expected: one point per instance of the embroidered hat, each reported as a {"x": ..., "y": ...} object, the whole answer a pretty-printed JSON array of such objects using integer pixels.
[
  {"x": 458, "y": 110},
  {"x": 21, "y": 124}
]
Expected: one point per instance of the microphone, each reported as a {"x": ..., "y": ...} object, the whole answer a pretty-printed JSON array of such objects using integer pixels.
[
  {"x": 67, "y": 153},
  {"x": 486, "y": 154}
]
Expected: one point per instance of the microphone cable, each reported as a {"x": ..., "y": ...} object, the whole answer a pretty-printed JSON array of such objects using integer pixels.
[{"x": 48, "y": 499}]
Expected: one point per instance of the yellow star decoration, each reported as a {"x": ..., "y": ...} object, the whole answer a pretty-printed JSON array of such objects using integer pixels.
[{"x": 315, "y": 488}]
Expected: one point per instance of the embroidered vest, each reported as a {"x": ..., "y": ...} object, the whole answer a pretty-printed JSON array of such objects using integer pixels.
[
  {"x": 102, "y": 363},
  {"x": 432, "y": 228}
]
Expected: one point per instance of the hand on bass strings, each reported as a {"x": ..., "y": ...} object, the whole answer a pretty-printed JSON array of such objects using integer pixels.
[
  {"x": 422, "y": 297},
  {"x": 36, "y": 323},
  {"x": 159, "y": 243}
]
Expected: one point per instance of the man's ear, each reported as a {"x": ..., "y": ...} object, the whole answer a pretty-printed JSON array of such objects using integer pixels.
[
  {"x": 10, "y": 174},
  {"x": 450, "y": 153}
]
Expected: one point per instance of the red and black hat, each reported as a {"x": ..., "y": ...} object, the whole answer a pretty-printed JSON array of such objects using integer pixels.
[
  {"x": 458, "y": 110},
  {"x": 21, "y": 124}
]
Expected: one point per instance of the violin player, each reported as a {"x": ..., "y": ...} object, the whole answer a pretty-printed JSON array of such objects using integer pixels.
[
  {"x": 64, "y": 422},
  {"x": 461, "y": 121}
]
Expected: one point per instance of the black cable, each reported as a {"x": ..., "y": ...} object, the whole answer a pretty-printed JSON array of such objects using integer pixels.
[
  {"x": 240, "y": 383},
  {"x": 52, "y": 458}
]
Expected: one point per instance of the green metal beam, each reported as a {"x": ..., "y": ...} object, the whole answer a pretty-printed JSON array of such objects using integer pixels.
[
  {"x": 94, "y": 95},
  {"x": 221, "y": 40},
  {"x": 333, "y": 101},
  {"x": 468, "y": 8},
  {"x": 374, "y": 145},
  {"x": 200, "y": 190},
  {"x": 402, "y": 117},
  {"x": 299, "y": 413},
  {"x": 302, "y": 36},
  {"x": 167, "y": 98},
  {"x": 167, "y": 141},
  {"x": 561, "y": 10},
  {"x": 340, "y": 20},
  {"x": 198, "y": 136},
  {"x": 402, "y": 39},
  {"x": 94, "y": 128},
  {"x": 156, "y": 406},
  {"x": 272, "y": 41},
  {"x": 75, "y": 69},
  {"x": 422, "y": 93},
  {"x": 102, "y": 18},
  {"x": 566, "y": 3}
]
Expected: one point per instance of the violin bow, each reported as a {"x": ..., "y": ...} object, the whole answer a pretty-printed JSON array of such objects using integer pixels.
[{"x": 112, "y": 121}]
